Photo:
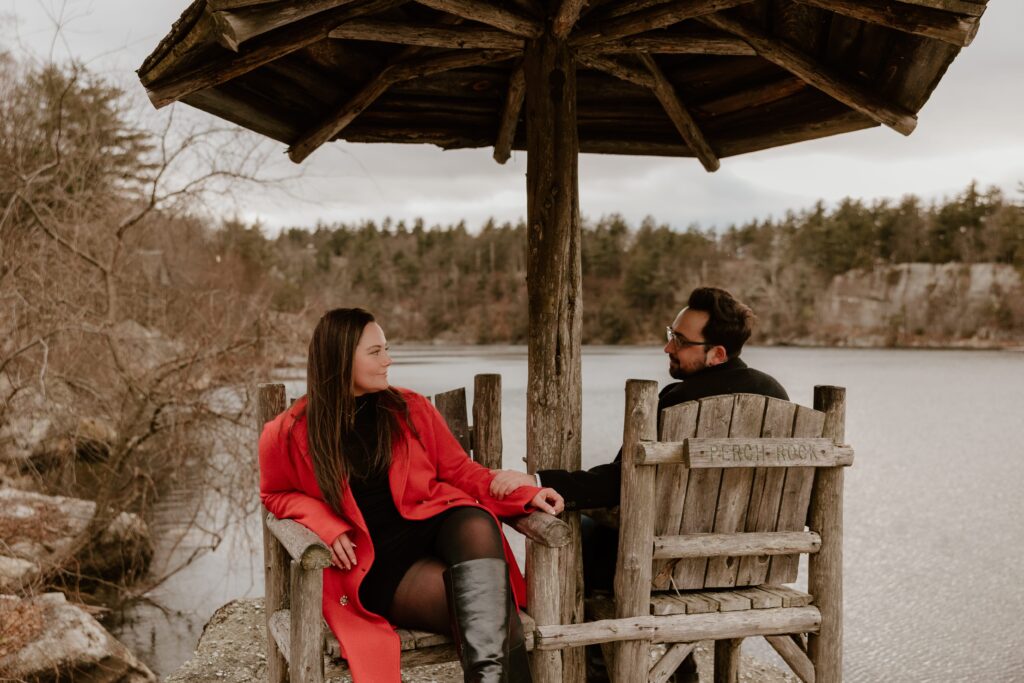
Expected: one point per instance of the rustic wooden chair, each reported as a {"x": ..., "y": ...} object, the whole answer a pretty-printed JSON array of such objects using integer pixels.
[
  {"x": 300, "y": 647},
  {"x": 712, "y": 523}
]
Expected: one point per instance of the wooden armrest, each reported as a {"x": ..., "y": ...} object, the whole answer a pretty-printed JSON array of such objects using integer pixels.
[
  {"x": 302, "y": 545},
  {"x": 540, "y": 527}
]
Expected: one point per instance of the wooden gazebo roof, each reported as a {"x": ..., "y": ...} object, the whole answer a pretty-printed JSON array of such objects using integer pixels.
[{"x": 704, "y": 78}]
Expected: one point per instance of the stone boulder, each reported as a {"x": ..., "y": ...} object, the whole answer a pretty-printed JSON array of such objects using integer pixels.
[
  {"x": 39, "y": 533},
  {"x": 46, "y": 638}
]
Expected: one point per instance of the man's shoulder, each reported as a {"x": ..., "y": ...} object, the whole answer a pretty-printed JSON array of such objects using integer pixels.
[{"x": 733, "y": 380}]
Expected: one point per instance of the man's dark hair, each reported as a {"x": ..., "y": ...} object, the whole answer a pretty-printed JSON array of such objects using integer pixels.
[{"x": 730, "y": 321}]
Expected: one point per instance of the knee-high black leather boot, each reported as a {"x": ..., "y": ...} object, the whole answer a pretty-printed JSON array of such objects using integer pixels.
[{"x": 485, "y": 623}]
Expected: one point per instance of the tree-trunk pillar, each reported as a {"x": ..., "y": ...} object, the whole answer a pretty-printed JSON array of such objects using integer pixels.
[{"x": 554, "y": 396}]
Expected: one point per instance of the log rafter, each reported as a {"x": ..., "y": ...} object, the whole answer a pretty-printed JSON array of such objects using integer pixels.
[
  {"x": 922, "y": 21},
  {"x": 240, "y": 24},
  {"x": 452, "y": 37},
  {"x": 263, "y": 50},
  {"x": 655, "y": 80},
  {"x": 656, "y": 17},
  {"x": 394, "y": 73},
  {"x": 851, "y": 94},
  {"x": 510, "y": 115},
  {"x": 487, "y": 13},
  {"x": 675, "y": 44},
  {"x": 971, "y": 9},
  {"x": 681, "y": 117}
]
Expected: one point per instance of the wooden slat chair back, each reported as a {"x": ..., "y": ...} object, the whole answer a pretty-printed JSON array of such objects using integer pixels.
[
  {"x": 300, "y": 648},
  {"x": 715, "y": 500},
  {"x": 730, "y": 500}
]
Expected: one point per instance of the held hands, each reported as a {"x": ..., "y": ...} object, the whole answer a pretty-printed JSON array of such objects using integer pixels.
[
  {"x": 343, "y": 552},
  {"x": 507, "y": 481},
  {"x": 549, "y": 501}
]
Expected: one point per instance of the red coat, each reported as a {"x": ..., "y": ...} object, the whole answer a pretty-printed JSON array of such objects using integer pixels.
[{"x": 427, "y": 475}]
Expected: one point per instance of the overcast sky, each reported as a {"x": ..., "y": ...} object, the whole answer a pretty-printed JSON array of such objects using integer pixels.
[{"x": 970, "y": 129}]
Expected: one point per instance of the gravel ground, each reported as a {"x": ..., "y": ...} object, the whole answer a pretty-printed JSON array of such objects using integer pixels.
[{"x": 232, "y": 650}]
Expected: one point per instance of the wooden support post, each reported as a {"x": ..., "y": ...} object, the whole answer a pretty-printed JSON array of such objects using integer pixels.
[
  {"x": 270, "y": 401},
  {"x": 825, "y": 568},
  {"x": 633, "y": 566},
  {"x": 307, "y": 634},
  {"x": 727, "y": 660},
  {"x": 554, "y": 396},
  {"x": 487, "y": 420}
]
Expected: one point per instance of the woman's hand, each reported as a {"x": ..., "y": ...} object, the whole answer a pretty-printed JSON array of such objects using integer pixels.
[
  {"x": 343, "y": 552},
  {"x": 507, "y": 481},
  {"x": 549, "y": 501}
]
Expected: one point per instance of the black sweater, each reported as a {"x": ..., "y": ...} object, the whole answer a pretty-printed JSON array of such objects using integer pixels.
[{"x": 599, "y": 487}]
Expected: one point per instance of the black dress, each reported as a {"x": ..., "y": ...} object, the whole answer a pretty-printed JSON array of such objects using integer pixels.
[{"x": 397, "y": 542}]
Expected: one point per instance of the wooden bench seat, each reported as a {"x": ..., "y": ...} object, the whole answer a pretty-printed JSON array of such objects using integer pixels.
[{"x": 708, "y": 601}]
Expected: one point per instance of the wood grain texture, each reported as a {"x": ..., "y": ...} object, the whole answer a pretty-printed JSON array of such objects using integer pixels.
[
  {"x": 853, "y": 95},
  {"x": 796, "y": 496},
  {"x": 554, "y": 271},
  {"x": 238, "y": 25},
  {"x": 638, "y": 505},
  {"x": 301, "y": 544},
  {"x": 452, "y": 406},
  {"x": 676, "y": 423},
  {"x": 306, "y": 658},
  {"x": 930, "y": 23},
  {"x": 649, "y": 19},
  {"x": 488, "y": 13},
  {"x": 727, "y": 660},
  {"x": 510, "y": 112},
  {"x": 795, "y": 658},
  {"x": 487, "y": 444},
  {"x": 766, "y": 492},
  {"x": 825, "y": 569},
  {"x": 680, "y": 116},
  {"x": 680, "y": 628},
  {"x": 669, "y": 662},
  {"x": 702, "y": 490},
  {"x": 734, "y": 490},
  {"x": 427, "y": 35},
  {"x": 271, "y": 400},
  {"x": 737, "y": 544},
  {"x": 540, "y": 527}
]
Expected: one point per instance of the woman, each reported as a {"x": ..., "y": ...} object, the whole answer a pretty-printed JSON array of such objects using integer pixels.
[{"x": 375, "y": 473}]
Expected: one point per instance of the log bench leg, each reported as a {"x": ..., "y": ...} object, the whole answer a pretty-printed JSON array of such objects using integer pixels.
[
  {"x": 727, "y": 660},
  {"x": 307, "y": 635}
]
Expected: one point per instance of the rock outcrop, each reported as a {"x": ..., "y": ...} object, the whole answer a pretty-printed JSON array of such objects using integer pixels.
[
  {"x": 923, "y": 304},
  {"x": 46, "y": 638},
  {"x": 39, "y": 533}
]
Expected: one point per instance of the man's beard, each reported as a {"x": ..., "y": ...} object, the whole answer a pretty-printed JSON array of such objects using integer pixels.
[{"x": 676, "y": 371}]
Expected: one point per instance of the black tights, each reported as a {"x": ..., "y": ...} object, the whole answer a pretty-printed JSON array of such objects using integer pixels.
[{"x": 420, "y": 602}]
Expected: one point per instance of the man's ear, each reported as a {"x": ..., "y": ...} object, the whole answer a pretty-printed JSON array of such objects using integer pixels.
[{"x": 716, "y": 356}]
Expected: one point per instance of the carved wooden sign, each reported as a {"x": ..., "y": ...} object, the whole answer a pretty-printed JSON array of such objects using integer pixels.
[{"x": 700, "y": 453}]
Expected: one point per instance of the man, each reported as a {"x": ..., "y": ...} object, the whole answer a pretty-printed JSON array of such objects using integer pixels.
[{"x": 703, "y": 346}]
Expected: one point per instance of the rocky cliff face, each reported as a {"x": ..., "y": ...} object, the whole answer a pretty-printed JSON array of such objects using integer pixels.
[{"x": 924, "y": 304}]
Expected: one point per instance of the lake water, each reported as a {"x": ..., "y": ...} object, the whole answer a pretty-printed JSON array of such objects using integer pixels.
[{"x": 934, "y": 535}]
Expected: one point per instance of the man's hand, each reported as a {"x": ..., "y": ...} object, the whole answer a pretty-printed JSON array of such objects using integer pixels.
[
  {"x": 549, "y": 501},
  {"x": 343, "y": 552},
  {"x": 507, "y": 481}
]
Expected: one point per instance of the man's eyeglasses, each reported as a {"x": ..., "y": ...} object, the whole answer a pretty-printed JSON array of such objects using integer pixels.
[{"x": 679, "y": 340}]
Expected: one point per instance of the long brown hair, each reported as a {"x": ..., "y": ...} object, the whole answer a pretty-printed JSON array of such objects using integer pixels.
[{"x": 331, "y": 403}]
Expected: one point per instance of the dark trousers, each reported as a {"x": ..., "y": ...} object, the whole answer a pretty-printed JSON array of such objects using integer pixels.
[{"x": 600, "y": 550}]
